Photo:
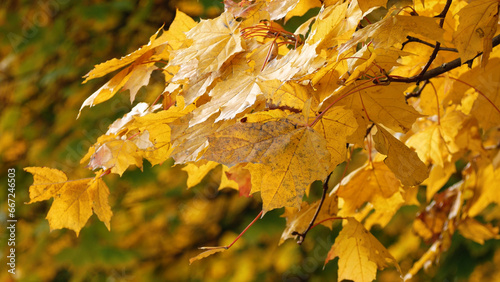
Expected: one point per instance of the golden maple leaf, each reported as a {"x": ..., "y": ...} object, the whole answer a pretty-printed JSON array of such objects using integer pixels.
[
  {"x": 359, "y": 252},
  {"x": 74, "y": 200}
]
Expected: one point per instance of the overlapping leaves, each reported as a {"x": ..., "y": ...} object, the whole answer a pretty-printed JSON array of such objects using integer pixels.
[{"x": 279, "y": 110}]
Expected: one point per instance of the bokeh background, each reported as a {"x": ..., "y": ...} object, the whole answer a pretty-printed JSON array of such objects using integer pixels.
[{"x": 46, "y": 47}]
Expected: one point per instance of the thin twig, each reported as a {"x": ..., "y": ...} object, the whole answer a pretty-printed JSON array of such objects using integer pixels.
[
  {"x": 325, "y": 189},
  {"x": 433, "y": 56},
  {"x": 417, "y": 93},
  {"x": 418, "y": 40},
  {"x": 441, "y": 69}
]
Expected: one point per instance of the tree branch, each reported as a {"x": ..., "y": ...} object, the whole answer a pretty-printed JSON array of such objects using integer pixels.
[
  {"x": 418, "y": 40},
  {"x": 441, "y": 69},
  {"x": 442, "y": 15},
  {"x": 417, "y": 93}
]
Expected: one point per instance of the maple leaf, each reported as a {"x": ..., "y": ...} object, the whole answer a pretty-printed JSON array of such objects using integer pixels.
[
  {"x": 179, "y": 25},
  {"x": 197, "y": 171},
  {"x": 437, "y": 178},
  {"x": 74, "y": 200},
  {"x": 115, "y": 64},
  {"x": 214, "y": 41},
  {"x": 116, "y": 155},
  {"x": 486, "y": 82},
  {"x": 476, "y": 231},
  {"x": 243, "y": 8},
  {"x": 302, "y": 7},
  {"x": 230, "y": 98},
  {"x": 478, "y": 25},
  {"x": 137, "y": 74},
  {"x": 335, "y": 126},
  {"x": 325, "y": 29},
  {"x": 266, "y": 110},
  {"x": 279, "y": 8},
  {"x": 431, "y": 146},
  {"x": 367, "y": 6},
  {"x": 382, "y": 104},
  {"x": 289, "y": 95},
  {"x": 159, "y": 131},
  {"x": 108, "y": 90},
  {"x": 359, "y": 252},
  {"x": 140, "y": 109},
  {"x": 366, "y": 57},
  {"x": 440, "y": 215},
  {"x": 240, "y": 175},
  {"x": 393, "y": 30},
  {"x": 366, "y": 184},
  {"x": 485, "y": 184},
  {"x": 298, "y": 220},
  {"x": 404, "y": 162},
  {"x": 283, "y": 148}
]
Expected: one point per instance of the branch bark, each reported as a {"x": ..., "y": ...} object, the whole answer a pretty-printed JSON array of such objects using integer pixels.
[
  {"x": 441, "y": 69},
  {"x": 442, "y": 15}
]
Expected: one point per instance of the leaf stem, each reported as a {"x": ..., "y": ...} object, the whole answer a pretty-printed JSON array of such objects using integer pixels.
[
  {"x": 323, "y": 196},
  {"x": 241, "y": 234}
]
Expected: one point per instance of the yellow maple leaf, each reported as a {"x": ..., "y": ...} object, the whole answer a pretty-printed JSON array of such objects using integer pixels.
[
  {"x": 229, "y": 97},
  {"x": 365, "y": 185},
  {"x": 214, "y": 41},
  {"x": 325, "y": 29},
  {"x": 478, "y": 25},
  {"x": 431, "y": 145},
  {"x": 437, "y": 178},
  {"x": 383, "y": 210},
  {"x": 137, "y": 74},
  {"x": 298, "y": 220},
  {"x": 74, "y": 200},
  {"x": 108, "y": 90},
  {"x": 46, "y": 183},
  {"x": 180, "y": 24},
  {"x": 359, "y": 252},
  {"x": 189, "y": 142},
  {"x": 236, "y": 177},
  {"x": 476, "y": 231},
  {"x": 403, "y": 161},
  {"x": 393, "y": 30},
  {"x": 293, "y": 157},
  {"x": 382, "y": 104},
  {"x": 157, "y": 126},
  {"x": 368, "y": 5},
  {"x": 485, "y": 185},
  {"x": 367, "y": 57},
  {"x": 197, "y": 171},
  {"x": 116, "y": 155},
  {"x": 486, "y": 82},
  {"x": 302, "y": 7},
  {"x": 335, "y": 126},
  {"x": 288, "y": 95}
]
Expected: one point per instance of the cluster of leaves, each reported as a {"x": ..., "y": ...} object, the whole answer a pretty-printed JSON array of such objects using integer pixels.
[{"x": 277, "y": 110}]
